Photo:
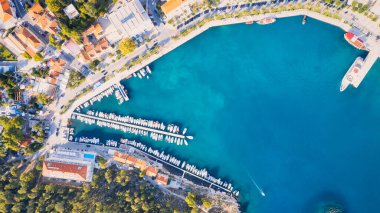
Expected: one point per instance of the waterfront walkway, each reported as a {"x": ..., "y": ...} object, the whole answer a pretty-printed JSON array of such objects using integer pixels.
[{"x": 172, "y": 44}]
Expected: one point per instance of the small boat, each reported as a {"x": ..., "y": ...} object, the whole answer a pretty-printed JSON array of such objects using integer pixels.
[
  {"x": 134, "y": 74},
  {"x": 249, "y": 22},
  {"x": 304, "y": 20},
  {"x": 184, "y": 131},
  {"x": 351, "y": 74},
  {"x": 355, "y": 41},
  {"x": 138, "y": 74},
  {"x": 148, "y": 70},
  {"x": 190, "y": 137},
  {"x": 185, "y": 141},
  {"x": 266, "y": 21}
]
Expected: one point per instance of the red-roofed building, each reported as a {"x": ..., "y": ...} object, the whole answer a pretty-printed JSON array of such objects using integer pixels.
[
  {"x": 140, "y": 164},
  {"x": 151, "y": 171},
  {"x": 120, "y": 157},
  {"x": 26, "y": 142},
  {"x": 131, "y": 160},
  {"x": 162, "y": 179},
  {"x": 26, "y": 41},
  {"x": 7, "y": 15},
  {"x": 43, "y": 18},
  {"x": 64, "y": 170}
]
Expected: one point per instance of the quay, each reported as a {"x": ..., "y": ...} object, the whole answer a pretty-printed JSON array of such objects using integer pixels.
[
  {"x": 220, "y": 187},
  {"x": 367, "y": 64},
  {"x": 131, "y": 125}
]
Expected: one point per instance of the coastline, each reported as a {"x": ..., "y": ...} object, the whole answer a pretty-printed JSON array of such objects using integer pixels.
[{"x": 173, "y": 44}]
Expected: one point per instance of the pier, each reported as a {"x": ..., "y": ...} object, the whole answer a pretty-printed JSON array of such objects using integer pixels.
[
  {"x": 122, "y": 92},
  {"x": 369, "y": 61},
  {"x": 131, "y": 125}
]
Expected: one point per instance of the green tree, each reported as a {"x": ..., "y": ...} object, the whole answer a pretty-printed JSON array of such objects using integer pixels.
[
  {"x": 43, "y": 99},
  {"x": 26, "y": 55},
  {"x": 38, "y": 57},
  {"x": 191, "y": 200},
  {"x": 206, "y": 203},
  {"x": 127, "y": 46}
]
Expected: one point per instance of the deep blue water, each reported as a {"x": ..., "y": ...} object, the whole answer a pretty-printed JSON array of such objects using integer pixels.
[{"x": 264, "y": 101}]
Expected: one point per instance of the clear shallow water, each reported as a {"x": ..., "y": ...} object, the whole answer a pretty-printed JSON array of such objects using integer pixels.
[{"x": 264, "y": 101}]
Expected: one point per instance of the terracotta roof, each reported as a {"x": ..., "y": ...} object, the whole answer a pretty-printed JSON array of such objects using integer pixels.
[
  {"x": 27, "y": 37},
  {"x": 151, "y": 171},
  {"x": 131, "y": 160},
  {"x": 52, "y": 80},
  {"x": 171, "y": 5},
  {"x": 57, "y": 65},
  {"x": 26, "y": 143},
  {"x": 96, "y": 29},
  {"x": 141, "y": 164},
  {"x": 162, "y": 179},
  {"x": 66, "y": 168},
  {"x": 121, "y": 157},
  {"x": 35, "y": 10},
  {"x": 47, "y": 23},
  {"x": 5, "y": 11}
]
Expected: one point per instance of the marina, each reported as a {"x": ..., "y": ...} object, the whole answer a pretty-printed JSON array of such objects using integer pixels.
[
  {"x": 155, "y": 130},
  {"x": 184, "y": 167}
]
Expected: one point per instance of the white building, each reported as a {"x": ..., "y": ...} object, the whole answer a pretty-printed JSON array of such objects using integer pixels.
[
  {"x": 127, "y": 19},
  {"x": 71, "y": 12},
  {"x": 69, "y": 165}
]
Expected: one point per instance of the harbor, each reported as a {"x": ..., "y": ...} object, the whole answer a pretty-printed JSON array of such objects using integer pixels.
[{"x": 155, "y": 130}]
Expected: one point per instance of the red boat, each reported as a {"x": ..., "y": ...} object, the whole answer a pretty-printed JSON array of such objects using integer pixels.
[
  {"x": 355, "y": 41},
  {"x": 249, "y": 22}
]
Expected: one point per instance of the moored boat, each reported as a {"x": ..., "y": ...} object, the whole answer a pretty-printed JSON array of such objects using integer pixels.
[
  {"x": 355, "y": 41},
  {"x": 249, "y": 22},
  {"x": 351, "y": 74},
  {"x": 266, "y": 21},
  {"x": 304, "y": 20}
]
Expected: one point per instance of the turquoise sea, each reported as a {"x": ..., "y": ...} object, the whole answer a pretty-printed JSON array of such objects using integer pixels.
[{"x": 264, "y": 101}]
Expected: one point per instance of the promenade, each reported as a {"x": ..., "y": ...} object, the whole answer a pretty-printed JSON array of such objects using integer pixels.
[{"x": 172, "y": 44}]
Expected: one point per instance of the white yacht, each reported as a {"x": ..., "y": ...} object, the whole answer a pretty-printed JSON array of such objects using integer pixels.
[{"x": 351, "y": 74}]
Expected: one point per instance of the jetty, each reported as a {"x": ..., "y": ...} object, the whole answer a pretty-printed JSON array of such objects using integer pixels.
[
  {"x": 143, "y": 128},
  {"x": 122, "y": 91},
  {"x": 369, "y": 61}
]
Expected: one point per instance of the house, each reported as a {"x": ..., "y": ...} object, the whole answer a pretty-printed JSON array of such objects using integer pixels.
[
  {"x": 140, "y": 164},
  {"x": 131, "y": 160},
  {"x": 57, "y": 67},
  {"x": 173, "y": 8},
  {"x": 94, "y": 43},
  {"x": 71, "y": 47},
  {"x": 162, "y": 179},
  {"x": 25, "y": 143},
  {"x": 120, "y": 157},
  {"x": 126, "y": 20},
  {"x": 71, "y": 12},
  {"x": 26, "y": 40},
  {"x": 69, "y": 165},
  {"x": 7, "y": 15},
  {"x": 43, "y": 18},
  {"x": 45, "y": 86},
  {"x": 151, "y": 171}
]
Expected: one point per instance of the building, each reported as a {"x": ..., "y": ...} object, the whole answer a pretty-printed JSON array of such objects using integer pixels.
[
  {"x": 162, "y": 179},
  {"x": 172, "y": 8},
  {"x": 126, "y": 20},
  {"x": 7, "y": 15},
  {"x": 45, "y": 86},
  {"x": 131, "y": 160},
  {"x": 376, "y": 8},
  {"x": 43, "y": 18},
  {"x": 151, "y": 171},
  {"x": 69, "y": 165},
  {"x": 71, "y": 12},
  {"x": 141, "y": 164},
  {"x": 71, "y": 47},
  {"x": 7, "y": 66},
  {"x": 57, "y": 66},
  {"x": 94, "y": 43},
  {"x": 25, "y": 40},
  {"x": 120, "y": 157}
]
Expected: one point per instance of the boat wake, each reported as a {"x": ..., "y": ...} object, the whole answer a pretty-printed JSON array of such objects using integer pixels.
[{"x": 257, "y": 186}]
